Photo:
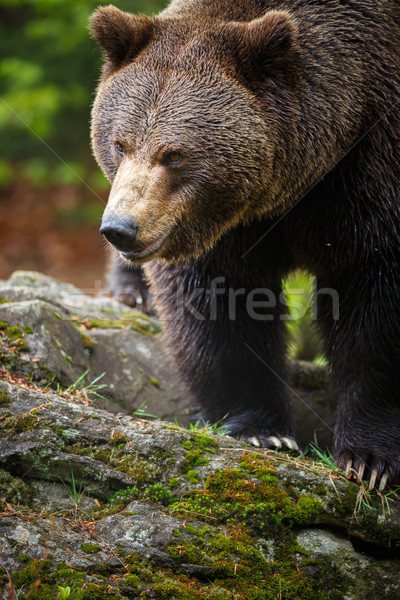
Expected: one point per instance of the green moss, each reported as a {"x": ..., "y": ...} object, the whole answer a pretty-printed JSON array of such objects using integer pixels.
[
  {"x": 104, "y": 323},
  {"x": 118, "y": 439},
  {"x": 92, "y": 591},
  {"x": 171, "y": 590},
  {"x": 304, "y": 578},
  {"x": 259, "y": 466},
  {"x": 35, "y": 570},
  {"x": 18, "y": 423},
  {"x": 227, "y": 557},
  {"x": 13, "y": 332},
  {"x": 374, "y": 523},
  {"x": 28, "y": 329},
  {"x": 87, "y": 341},
  {"x": 193, "y": 458},
  {"x": 230, "y": 567},
  {"x": 117, "y": 502},
  {"x": 304, "y": 512},
  {"x": 39, "y": 581},
  {"x": 204, "y": 441},
  {"x": 12, "y": 344},
  {"x": 231, "y": 496},
  {"x": 173, "y": 483},
  {"x": 235, "y": 566},
  {"x": 347, "y": 502},
  {"x": 142, "y": 470},
  {"x": 14, "y": 490},
  {"x": 90, "y": 548},
  {"x": 320, "y": 489},
  {"x": 4, "y": 399},
  {"x": 117, "y": 456},
  {"x": 64, "y": 574},
  {"x": 192, "y": 476},
  {"x": 176, "y": 533},
  {"x": 133, "y": 582},
  {"x": 158, "y": 493},
  {"x": 24, "y": 558},
  {"x": 249, "y": 501},
  {"x": 134, "y": 320},
  {"x": 196, "y": 446},
  {"x": 191, "y": 530}
]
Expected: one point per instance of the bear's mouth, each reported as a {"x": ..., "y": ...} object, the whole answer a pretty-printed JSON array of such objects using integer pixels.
[{"x": 145, "y": 251}]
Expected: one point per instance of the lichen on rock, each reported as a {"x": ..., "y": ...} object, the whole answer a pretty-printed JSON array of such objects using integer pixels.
[{"x": 112, "y": 505}]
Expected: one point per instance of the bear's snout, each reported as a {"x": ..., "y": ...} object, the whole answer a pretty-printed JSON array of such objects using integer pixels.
[{"x": 121, "y": 232}]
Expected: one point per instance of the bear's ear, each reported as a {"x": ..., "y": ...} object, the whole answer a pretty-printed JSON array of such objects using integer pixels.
[
  {"x": 263, "y": 47},
  {"x": 121, "y": 35}
]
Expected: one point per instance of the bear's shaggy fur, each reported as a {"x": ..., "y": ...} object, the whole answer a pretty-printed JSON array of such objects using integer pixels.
[{"x": 245, "y": 139}]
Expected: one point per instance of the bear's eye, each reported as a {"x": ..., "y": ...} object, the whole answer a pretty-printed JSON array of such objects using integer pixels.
[
  {"x": 173, "y": 158},
  {"x": 119, "y": 148}
]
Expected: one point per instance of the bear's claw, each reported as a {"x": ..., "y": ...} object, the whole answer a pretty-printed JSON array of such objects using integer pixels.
[
  {"x": 273, "y": 442},
  {"x": 132, "y": 300},
  {"x": 290, "y": 443},
  {"x": 353, "y": 473},
  {"x": 254, "y": 441},
  {"x": 128, "y": 286},
  {"x": 383, "y": 482}
]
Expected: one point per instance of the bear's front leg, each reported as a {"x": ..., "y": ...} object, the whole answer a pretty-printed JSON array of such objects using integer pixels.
[
  {"x": 363, "y": 347},
  {"x": 227, "y": 341},
  {"x": 126, "y": 283}
]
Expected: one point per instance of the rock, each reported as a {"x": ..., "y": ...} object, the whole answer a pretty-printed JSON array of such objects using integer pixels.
[
  {"x": 55, "y": 351},
  {"x": 77, "y": 338},
  {"x": 89, "y": 495},
  {"x": 363, "y": 576},
  {"x": 74, "y": 340},
  {"x": 111, "y": 505}
]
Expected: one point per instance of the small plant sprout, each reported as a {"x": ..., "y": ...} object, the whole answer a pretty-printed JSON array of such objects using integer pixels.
[
  {"x": 75, "y": 493},
  {"x": 87, "y": 390},
  {"x": 203, "y": 426},
  {"x": 63, "y": 592},
  {"x": 141, "y": 412},
  {"x": 322, "y": 457}
]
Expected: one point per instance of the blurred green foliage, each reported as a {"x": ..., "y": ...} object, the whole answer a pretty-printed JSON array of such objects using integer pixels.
[
  {"x": 48, "y": 72},
  {"x": 304, "y": 340}
]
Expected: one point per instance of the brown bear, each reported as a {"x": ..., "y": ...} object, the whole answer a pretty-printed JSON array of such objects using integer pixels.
[{"x": 245, "y": 139}]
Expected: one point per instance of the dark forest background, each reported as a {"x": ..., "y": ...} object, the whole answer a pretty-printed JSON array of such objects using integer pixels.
[{"x": 51, "y": 192}]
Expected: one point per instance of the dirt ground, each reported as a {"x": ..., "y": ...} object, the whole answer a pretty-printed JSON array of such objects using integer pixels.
[{"x": 55, "y": 231}]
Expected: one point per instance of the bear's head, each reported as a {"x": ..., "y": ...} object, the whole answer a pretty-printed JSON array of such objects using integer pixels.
[{"x": 188, "y": 125}]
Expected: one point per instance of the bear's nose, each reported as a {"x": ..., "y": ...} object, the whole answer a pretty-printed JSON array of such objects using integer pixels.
[{"x": 121, "y": 232}]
